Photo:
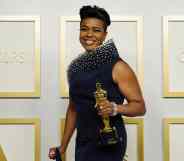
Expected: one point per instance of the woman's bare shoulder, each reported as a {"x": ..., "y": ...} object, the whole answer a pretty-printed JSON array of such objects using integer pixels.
[{"x": 122, "y": 69}]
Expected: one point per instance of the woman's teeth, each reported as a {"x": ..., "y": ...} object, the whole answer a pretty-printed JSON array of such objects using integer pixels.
[{"x": 89, "y": 42}]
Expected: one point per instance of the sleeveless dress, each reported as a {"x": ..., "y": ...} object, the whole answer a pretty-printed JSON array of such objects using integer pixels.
[{"x": 83, "y": 73}]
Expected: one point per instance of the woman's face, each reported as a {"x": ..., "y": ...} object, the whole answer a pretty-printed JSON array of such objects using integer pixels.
[{"x": 92, "y": 33}]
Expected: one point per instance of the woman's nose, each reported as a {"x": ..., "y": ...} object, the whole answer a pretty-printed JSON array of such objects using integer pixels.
[{"x": 90, "y": 33}]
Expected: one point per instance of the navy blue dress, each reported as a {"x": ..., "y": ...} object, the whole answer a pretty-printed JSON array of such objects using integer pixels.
[{"x": 83, "y": 73}]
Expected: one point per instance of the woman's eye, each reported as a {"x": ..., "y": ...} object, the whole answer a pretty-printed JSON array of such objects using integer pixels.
[
  {"x": 97, "y": 30},
  {"x": 83, "y": 29}
]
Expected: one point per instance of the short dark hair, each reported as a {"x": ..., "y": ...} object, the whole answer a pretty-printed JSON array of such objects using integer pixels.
[{"x": 95, "y": 12}]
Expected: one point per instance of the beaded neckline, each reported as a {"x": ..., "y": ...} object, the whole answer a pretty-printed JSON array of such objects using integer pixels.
[{"x": 92, "y": 60}]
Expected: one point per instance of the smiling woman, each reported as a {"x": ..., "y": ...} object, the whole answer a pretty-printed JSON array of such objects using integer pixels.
[
  {"x": 92, "y": 33},
  {"x": 99, "y": 81},
  {"x": 93, "y": 26}
]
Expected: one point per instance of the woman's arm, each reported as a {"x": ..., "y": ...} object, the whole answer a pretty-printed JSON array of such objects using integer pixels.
[
  {"x": 128, "y": 85},
  {"x": 69, "y": 126},
  {"x": 68, "y": 130}
]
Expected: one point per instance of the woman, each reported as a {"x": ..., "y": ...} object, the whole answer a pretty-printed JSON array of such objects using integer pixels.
[{"x": 99, "y": 63}]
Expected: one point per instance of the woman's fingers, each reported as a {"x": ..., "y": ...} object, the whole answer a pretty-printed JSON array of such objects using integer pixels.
[
  {"x": 105, "y": 108},
  {"x": 52, "y": 153}
]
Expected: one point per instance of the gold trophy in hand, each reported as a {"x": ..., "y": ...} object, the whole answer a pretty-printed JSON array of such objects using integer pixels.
[{"x": 108, "y": 135}]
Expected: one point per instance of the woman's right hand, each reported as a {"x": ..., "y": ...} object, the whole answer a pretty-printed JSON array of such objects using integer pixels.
[{"x": 52, "y": 152}]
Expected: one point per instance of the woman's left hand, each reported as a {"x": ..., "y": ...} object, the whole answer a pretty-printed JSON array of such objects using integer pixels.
[{"x": 105, "y": 108}]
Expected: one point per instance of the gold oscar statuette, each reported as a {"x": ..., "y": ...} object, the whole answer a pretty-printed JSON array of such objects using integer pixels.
[{"x": 108, "y": 135}]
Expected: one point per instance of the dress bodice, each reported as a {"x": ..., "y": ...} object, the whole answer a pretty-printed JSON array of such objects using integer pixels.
[{"x": 83, "y": 74}]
